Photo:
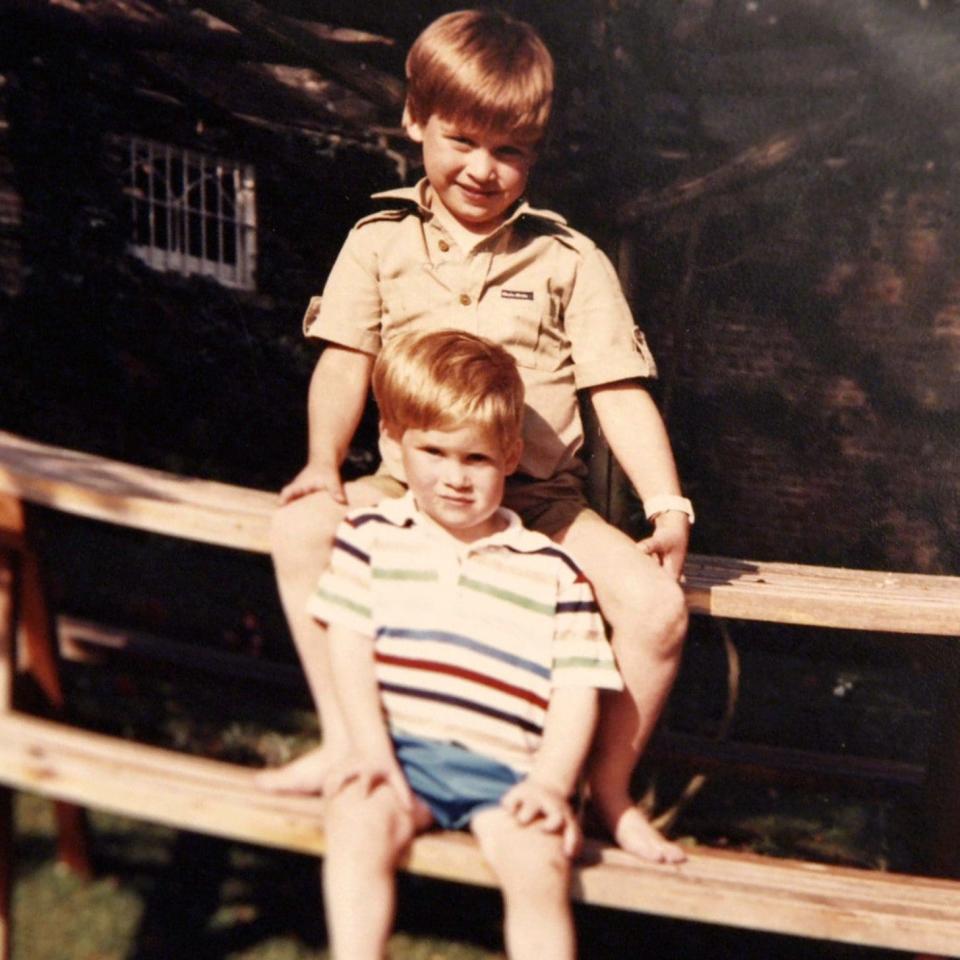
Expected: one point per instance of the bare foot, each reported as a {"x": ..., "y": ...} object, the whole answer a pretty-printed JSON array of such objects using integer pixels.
[
  {"x": 304, "y": 775},
  {"x": 635, "y": 834}
]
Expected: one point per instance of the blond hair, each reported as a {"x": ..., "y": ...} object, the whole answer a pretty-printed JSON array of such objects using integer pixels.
[
  {"x": 446, "y": 379},
  {"x": 482, "y": 69}
]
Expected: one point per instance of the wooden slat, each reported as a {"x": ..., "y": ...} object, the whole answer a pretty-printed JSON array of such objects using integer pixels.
[
  {"x": 823, "y": 596},
  {"x": 237, "y": 517},
  {"x": 782, "y": 896},
  {"x": 137, "y": 497}
]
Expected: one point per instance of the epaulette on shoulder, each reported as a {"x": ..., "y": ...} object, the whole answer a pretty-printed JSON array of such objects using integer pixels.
[
  {"x": 392, "y": 208},
  {"x": 554, "y": 226}
]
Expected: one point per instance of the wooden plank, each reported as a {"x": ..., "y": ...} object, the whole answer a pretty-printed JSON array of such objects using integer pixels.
[
  {"x": 783, "y": 896},
  {"x": 823, "y": 596},
  {"x": 237, "y": 517},
  {"x": 773, "y": 764},
  {"x": 137, "y": 497}
]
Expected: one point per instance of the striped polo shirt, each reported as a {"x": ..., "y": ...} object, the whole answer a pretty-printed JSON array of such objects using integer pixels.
[{"x": 469, "y": 639}]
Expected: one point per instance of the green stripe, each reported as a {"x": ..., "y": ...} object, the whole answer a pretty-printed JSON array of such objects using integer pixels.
[
  {"x": 399, "y": 574},
  {"x": 564, "y": 663},
  {"x": 508, "y": 596},
  {"x": 338, "y": 600}
]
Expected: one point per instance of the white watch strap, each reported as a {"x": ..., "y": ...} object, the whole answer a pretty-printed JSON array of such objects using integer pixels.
[{"x": 662, "y": 502}]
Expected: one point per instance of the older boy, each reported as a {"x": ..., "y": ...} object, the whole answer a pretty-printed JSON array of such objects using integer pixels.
[
  {"x": 466, "y": 655},
  {"x": 463, "y": 250}
]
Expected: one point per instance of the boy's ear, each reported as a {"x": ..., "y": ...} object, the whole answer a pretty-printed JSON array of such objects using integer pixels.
[
  {"x": 391, "y": 438},
  {"x": 513, "y": 457},
  {"x": 414, "y": 130}
]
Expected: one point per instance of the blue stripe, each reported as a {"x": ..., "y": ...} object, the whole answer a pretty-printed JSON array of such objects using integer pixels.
[
  {"x": 351, "y": 549},
  {"x": 467, "y": 643},
  {"x": 365, "y": 518},
  {"x": 549, "y": 552},
  {"x": 471, "y": 705},
  {"x": 578, "y": 606}
]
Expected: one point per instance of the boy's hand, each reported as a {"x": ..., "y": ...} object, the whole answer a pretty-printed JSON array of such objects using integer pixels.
[
  {"x": 531, "y": 801},
  {"x": 314, "y": 478},
  {"x": 668, "y": 542},
  {"x": 369, "y": 773}
]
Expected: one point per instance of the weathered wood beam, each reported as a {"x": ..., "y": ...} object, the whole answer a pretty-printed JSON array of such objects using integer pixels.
[
  {"x": 747, "y": 167},
  {"x": 171, "y": 29},
  {"x": 296, "y": 39}
]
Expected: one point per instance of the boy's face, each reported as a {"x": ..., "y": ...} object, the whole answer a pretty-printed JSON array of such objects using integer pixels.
[
  {"x": 476, "y": 175},
  {"x": 457, "y": 477}
]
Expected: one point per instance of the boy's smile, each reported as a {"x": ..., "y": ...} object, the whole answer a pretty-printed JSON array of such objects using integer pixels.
[
  {"x": 476, "y": 175},
  {"x": 457, "y": 477}
]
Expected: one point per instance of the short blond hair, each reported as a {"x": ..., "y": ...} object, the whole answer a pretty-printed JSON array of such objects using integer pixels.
[
  {"x": 482, "y": 69},
  {"x": 446, "y": 379}
]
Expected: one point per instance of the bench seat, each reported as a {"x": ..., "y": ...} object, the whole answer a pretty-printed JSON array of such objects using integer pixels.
[
  {"x": 776, "y": 895},
  {"x": 232, "y": 516},
  {"x": 220, "y": 799}
]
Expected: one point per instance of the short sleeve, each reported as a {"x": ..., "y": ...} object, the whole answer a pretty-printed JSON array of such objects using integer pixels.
[
  {"x": 350, "y": 310},
  {"x": 605, "y": 344},
  {"x": 582, "y": 655},
  {"x": 343, "y": 593}
]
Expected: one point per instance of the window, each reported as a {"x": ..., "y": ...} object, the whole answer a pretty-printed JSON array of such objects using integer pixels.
[{"x": 192, "y": 213}]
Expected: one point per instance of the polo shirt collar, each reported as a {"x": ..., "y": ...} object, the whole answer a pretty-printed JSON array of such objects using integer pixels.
[
  {"x": 418, "y": 195},
  {"x": 403, "y": 511}
]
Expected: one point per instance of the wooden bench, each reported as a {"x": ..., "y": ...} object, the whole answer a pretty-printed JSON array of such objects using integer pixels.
[{"x": 69, "y": 765}]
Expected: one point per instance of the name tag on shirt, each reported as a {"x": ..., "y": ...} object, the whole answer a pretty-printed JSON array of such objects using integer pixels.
[{"x": 516, "y": 294}]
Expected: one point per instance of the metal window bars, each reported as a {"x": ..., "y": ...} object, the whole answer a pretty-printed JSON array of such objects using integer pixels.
[{"x": 192, "y": 213}]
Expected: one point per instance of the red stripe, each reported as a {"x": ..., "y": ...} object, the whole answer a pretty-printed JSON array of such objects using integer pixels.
[{"x": 483, "y": 679}]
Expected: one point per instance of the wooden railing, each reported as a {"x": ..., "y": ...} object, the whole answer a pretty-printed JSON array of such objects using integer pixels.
[{"x": 77, "y": 767}]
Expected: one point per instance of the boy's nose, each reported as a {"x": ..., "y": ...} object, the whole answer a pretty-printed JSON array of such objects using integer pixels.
[
  {"x": 455, "y": 475},
  {"x": 481, "y": 165}
]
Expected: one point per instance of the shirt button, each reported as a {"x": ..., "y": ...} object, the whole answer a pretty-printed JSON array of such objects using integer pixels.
[
  {"x": 465, "y": 299},
  {"x": 444, "y": 246}
]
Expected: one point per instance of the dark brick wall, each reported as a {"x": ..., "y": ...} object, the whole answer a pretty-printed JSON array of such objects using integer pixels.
[{"x": 814, "y": 389}]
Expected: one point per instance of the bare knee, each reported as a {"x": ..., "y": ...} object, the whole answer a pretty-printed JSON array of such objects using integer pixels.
[
  {"x": 362, "y": 826},
  {"x": 301, "y": 532},
  {"x": 528, "y": 864},
  {"x": 647, "y": 607}
]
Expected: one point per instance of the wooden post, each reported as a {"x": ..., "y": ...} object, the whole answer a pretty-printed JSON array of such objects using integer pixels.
[
  {"x": 942, "y": 856},
  {"x": 6, "y": 703},
  {"x": 29, "y": 621},
  {"x": 6, "y": 870}
]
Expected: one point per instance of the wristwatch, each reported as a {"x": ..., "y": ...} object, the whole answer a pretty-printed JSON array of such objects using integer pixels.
[{"x": 664, "y": 502}]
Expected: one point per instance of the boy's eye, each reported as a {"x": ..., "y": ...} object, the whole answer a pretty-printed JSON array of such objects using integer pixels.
[{"x": 478, "y": 458}]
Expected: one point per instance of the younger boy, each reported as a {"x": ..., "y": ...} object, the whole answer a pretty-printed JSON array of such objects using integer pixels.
[
  {"x": 466, "y": 655},
  {"x": 462, "y": 250}
]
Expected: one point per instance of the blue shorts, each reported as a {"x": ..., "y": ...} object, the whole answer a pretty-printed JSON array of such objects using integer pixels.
[{"x": 454, "y": 782}]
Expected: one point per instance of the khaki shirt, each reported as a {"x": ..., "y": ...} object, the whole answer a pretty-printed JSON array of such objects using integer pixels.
[{"x": 537, "y": 287}]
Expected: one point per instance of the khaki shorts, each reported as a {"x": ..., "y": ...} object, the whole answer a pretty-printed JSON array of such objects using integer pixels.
[{"x": 547, "y": 506}]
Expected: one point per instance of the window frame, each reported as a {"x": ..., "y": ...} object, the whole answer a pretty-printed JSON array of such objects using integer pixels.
[{"x": 191, "y": 213}]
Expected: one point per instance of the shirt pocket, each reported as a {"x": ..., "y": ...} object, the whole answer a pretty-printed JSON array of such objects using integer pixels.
[
  {"x": 413, "y": 303},
  {"x": 524, "y": 328}
]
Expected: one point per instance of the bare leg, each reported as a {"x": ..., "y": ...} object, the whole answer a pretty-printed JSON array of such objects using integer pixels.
[
  {"x": 301, "y": 540},
  {"x": 534, "y": 875},
  {"x": 366, "y": 833},
  {"x": 647, "y": 614}
]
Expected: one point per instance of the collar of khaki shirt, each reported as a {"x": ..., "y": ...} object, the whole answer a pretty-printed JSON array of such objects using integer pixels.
[{"x": 419, "y": 196}]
